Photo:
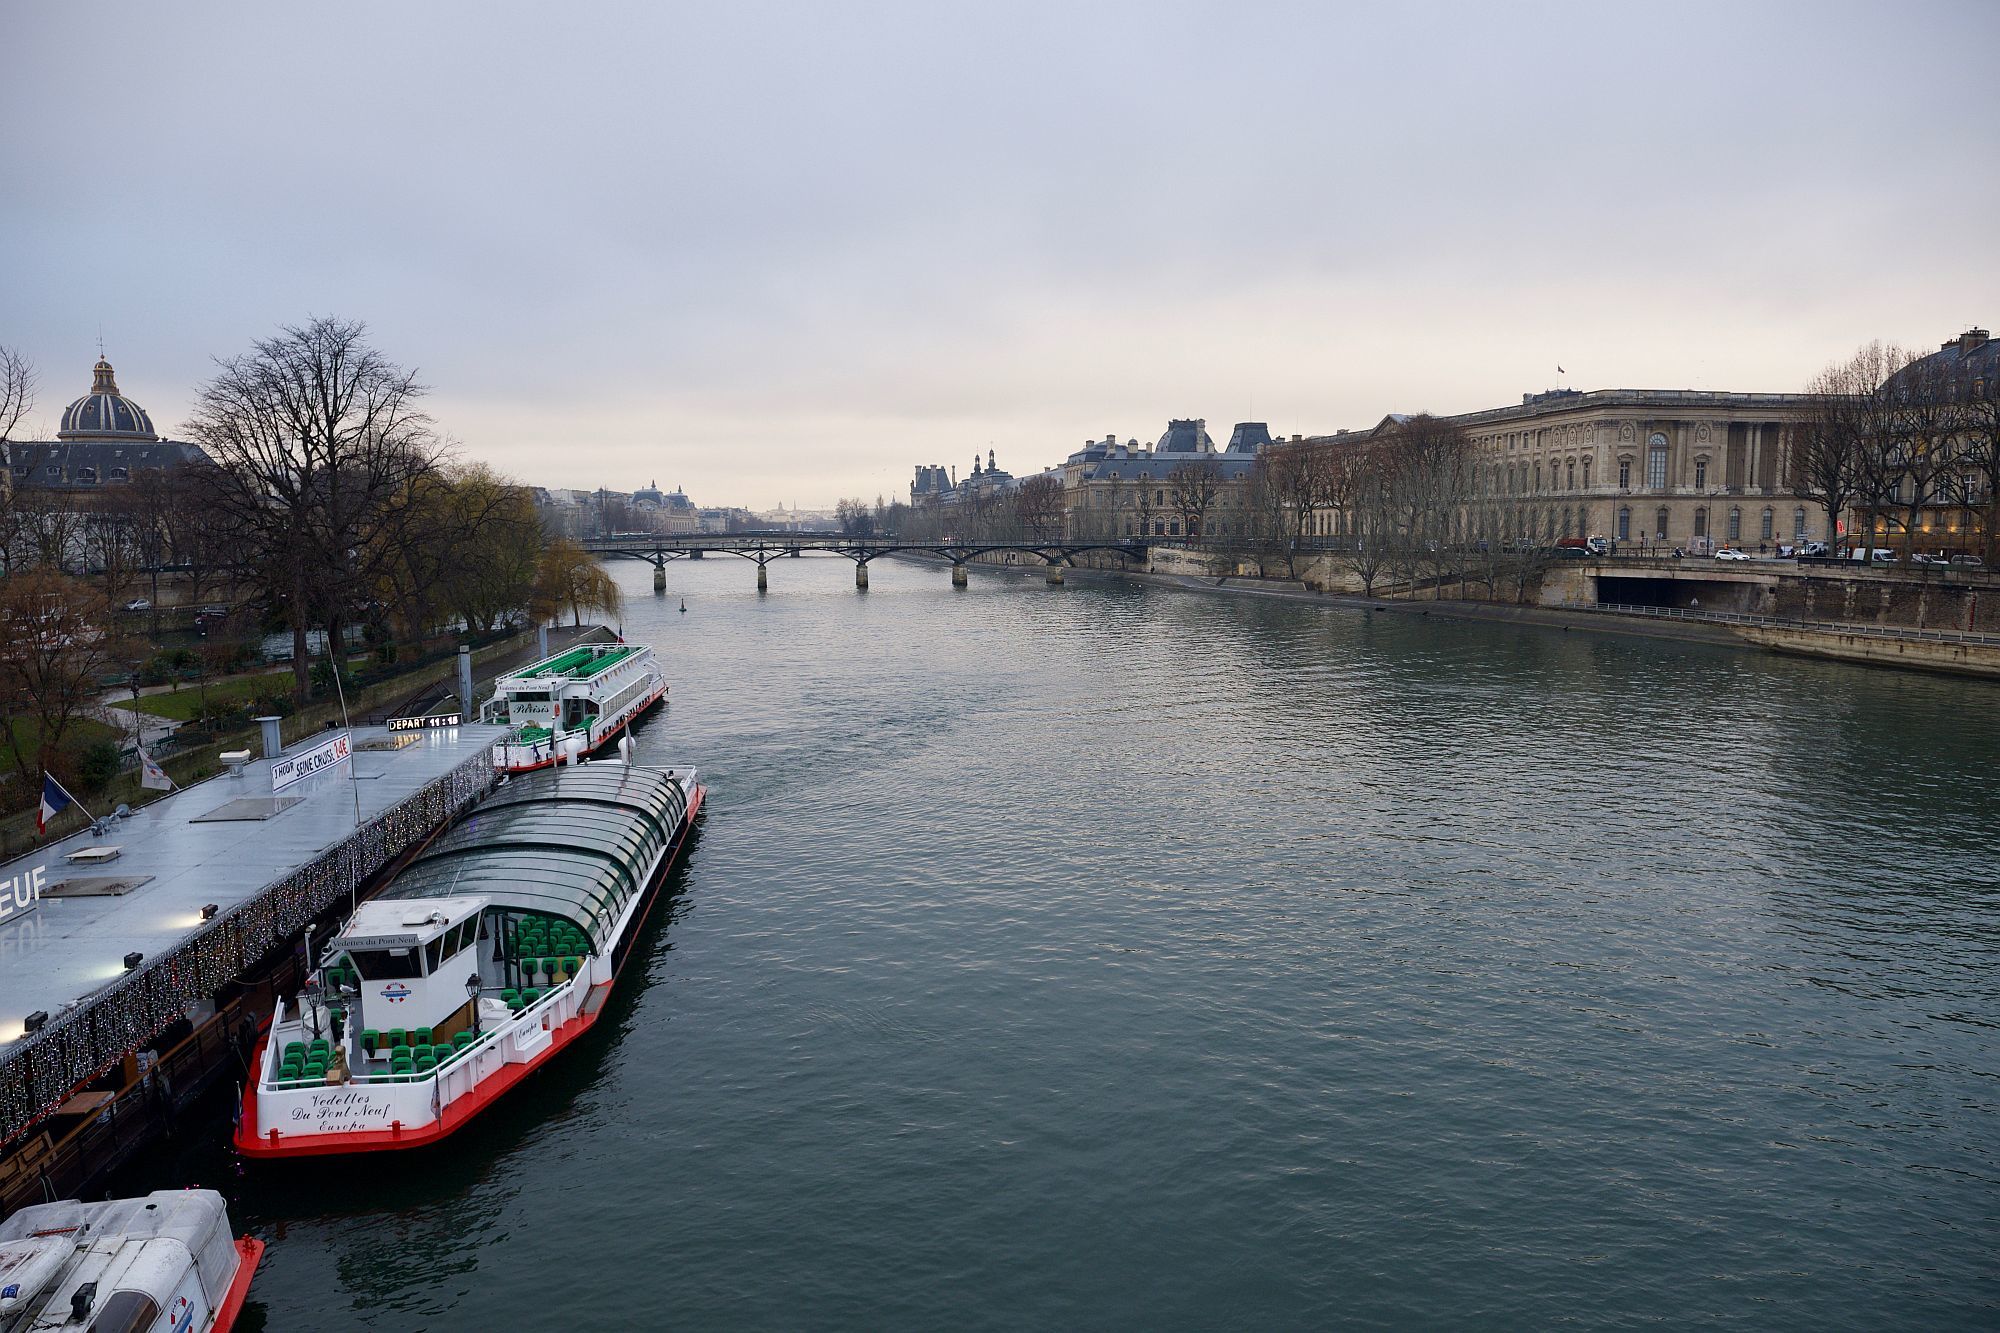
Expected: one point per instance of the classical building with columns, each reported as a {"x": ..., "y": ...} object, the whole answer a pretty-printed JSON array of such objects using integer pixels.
[
  {"x": 1682, "y": 467},
  {"x": 1676, "y": 467}
]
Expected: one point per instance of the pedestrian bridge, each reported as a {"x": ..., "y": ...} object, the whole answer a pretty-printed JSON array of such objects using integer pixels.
[{"x": 764, "y": 547}]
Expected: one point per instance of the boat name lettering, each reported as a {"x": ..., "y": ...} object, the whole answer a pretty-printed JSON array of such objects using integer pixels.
[
  {"x": 343, "y": 1108},
  {"x": 21, "y": 893},
  {"x": 288, "y": 769},
  {"x": 377, "y": 941},
  {"x": 423, "y": 723},
  {"x": 519, "y": 709}
]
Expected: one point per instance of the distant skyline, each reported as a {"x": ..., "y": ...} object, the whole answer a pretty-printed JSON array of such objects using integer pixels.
[{"x": 783, "y": 253}]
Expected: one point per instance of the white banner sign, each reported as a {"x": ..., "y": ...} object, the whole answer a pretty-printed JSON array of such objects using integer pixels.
[{"x": 288, "y": 769}]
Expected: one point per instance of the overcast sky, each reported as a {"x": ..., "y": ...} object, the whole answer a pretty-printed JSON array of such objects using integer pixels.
[{"x": 786, "y": 252}]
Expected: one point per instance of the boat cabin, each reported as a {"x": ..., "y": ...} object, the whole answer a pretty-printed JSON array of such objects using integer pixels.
[{"x": 411, "y": 959}]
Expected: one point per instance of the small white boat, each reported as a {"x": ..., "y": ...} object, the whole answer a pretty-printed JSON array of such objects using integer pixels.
[
  {"x": 492, "y": 951},
  {"x": 166, "y": 1262},
  {"x": 573, "y": 704}
]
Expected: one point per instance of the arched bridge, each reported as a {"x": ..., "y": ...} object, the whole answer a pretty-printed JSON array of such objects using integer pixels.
[{"x": 764, "y": 547}]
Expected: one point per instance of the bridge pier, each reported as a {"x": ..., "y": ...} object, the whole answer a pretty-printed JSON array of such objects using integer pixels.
[
  {"x": 861, "y": 575},
  {"x": 763, "y": 581},
  {"x": 660, "y": 579},
  {"x": 1055, "y": 573},
  {"x": 695, "y": 554},
  {"x": 958, "y": 573}
]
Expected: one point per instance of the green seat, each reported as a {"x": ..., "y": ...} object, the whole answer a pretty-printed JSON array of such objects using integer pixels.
[
  {"x": 421, "y": 1037},
  {"x": 510, "y": 996},
  {"x": 370, "y": 1039},
  {"x": 461, "y": 1040},
  {"x": 398, "y": 1037},
  {"x": 295, "y": 1048},
  {"x": 319, "y": 1046},
  {"x": 529, "y": 996},
  {"x": 572, "y": 964}
]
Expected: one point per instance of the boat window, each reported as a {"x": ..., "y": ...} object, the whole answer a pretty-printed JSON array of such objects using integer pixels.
[
  {"x": 385, "y": 964},
  {"x": 126, "y": 1312},
  {"x": 434, "y": 954}
]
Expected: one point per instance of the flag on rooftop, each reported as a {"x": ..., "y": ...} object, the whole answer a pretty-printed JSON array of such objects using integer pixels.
[
  {"x": 151, "y": 775},
  {"x": 54, "y": 801}
]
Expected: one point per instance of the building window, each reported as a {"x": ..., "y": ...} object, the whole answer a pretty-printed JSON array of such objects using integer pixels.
[
  {"x": 1624, "y": 474},
  {"x": 1586, "y": 474},
  {"x": 1159, "y": 497},
  {"x": 1538, "y": 478},
  {"x": 1656, "y": 463},
  {"x": 1624, "y": 523},
  {"x": 1799, "y": 524},
  {"x": 1660, "y": 524},
  {"x": 86, "y": 475},
  {"x": 1569, "y": 481},
  {"x": 1701, "y": 474},
  {"x": 1174, "y": 528},
  {"x": 1735, "y": 525},
  {"x": 1701, "y": 522},
  {"x": 1159, "y": 529},
  {"x": 120, "y": 474},
  {"x": 1768, "y": 528}
]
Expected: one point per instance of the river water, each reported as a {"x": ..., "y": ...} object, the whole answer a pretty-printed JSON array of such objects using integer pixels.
[{"x": 1120, "y": 957}]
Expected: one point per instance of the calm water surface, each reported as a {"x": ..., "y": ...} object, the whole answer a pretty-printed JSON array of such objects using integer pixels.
[{"x": 1117, "y": 957}]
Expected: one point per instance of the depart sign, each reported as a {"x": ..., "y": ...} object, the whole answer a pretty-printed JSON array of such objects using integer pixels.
[
  {"x": 290, "y": 768},
  {"x": 422, "y": 723}
]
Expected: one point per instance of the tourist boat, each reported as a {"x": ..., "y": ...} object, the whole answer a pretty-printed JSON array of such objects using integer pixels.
[
  {"x": 573, "y": 704},
  {"x": 166, "y": 1262},
  {"x": 490, "y": 952}
]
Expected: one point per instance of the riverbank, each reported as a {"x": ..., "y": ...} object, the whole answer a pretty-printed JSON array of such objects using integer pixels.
[{"x": 1553, "y": 618}]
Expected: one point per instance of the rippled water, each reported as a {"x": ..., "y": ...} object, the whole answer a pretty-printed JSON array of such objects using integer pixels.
[{"x": 1118, "y": 957}]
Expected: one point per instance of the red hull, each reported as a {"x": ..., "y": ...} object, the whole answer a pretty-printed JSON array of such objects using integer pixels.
[
  {"x": 483, "y": 1095},
  {"x": 249, "y": 1253}
]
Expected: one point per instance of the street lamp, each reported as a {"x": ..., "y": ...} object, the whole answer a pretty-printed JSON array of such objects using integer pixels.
[{"x": 472, "y": 989}]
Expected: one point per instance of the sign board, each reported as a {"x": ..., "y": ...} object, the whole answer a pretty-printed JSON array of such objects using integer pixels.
[
  {"x": 422, "y": 723},
  {"x": 21, "y": 892},
  {"x": 290, "y": 768}
]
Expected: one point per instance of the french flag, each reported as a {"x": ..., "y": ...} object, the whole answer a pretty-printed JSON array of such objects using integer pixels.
[{"x": 54, "y": 801}]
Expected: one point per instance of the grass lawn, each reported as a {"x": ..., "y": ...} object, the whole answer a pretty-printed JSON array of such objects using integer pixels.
[
  {"x": 82, "y": 730},
  {"x": 183, "y": 704}
]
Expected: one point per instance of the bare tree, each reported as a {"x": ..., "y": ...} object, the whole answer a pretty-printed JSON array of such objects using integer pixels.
[
  {"x": 56, "y": 644},
  {"x": 1979, "y": 458},
  {"x": 1038, "y": 503},
  {"x": 854, "y": 518},
  {"x": 1191, "y": 489},
  {"x": 570, "y": 579},
  {"x": 1828, "y": 440},
  {"x": 320, "y": 435},
  {"x": 17, "y": 398}
]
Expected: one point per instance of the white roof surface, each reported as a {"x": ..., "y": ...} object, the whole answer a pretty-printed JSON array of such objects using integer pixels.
[{"x": 71, "y": 946}]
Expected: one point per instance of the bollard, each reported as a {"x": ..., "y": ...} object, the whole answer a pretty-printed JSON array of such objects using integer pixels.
[
  {"x": 1055, "y": 573},
  {"x": 466, "y": 708},
  {"x": 542, "y": 637},
  {"x": 958, "y": 573},
  {"x": 763, "y": 584},
  {"x": 861, "y": 575}
]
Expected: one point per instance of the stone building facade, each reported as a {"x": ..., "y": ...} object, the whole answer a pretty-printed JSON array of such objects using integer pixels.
[
  {"x": 1672, "y": 467},
  {"x": 1181, "y": 489}
]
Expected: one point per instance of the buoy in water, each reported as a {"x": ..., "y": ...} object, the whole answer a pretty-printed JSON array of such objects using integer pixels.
[{"x": 684, "y": 605}]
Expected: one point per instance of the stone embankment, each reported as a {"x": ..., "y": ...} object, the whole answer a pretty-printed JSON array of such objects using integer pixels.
[{"x": 1868, "y": 616}]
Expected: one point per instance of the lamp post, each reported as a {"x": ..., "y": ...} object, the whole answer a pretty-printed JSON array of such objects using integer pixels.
[{"x": 472, "y": 989}]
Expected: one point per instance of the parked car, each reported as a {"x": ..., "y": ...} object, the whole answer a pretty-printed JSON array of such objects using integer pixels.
[
  {"x": 1968, "y": 562},
  {"x": 1730, "y": 553},
  {"x": 139, "y": 604},
  {"x": 1926, "y": 558},
  {"x": 1814, "y": 551}
]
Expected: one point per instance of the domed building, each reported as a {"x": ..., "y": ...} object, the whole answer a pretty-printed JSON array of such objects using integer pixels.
[
  {"x": 105, "y": 439},
  {"x": 106, "y": 414}
]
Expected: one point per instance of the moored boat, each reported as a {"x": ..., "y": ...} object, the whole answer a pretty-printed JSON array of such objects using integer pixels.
[
  {"x": 166, "y": 1262},
  {"x": 572, "y": 704},
  {"x": 489, "y": 953}
]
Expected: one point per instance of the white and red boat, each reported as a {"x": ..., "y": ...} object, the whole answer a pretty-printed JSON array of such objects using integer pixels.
[
  {"x": 573, "y": 704},
  {"x": 487, "y": 955},
  {"x": 166, "y": 1263}
]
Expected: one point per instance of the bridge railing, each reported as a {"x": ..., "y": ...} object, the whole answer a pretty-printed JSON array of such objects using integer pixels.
[{"x": 1900, "y": 632}]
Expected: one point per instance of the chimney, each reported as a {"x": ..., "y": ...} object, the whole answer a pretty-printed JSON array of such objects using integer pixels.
[{"x": 1971, "y": 341}]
